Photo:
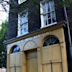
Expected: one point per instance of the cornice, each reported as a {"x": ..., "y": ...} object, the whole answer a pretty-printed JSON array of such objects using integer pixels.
[{"x": 34, "y": 33}]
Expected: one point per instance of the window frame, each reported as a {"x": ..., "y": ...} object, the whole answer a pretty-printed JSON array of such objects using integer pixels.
[
  {"x": 19, "y": 1},
  {"x": 20, "y": 24},
  {"x": 42, "y": 14}
]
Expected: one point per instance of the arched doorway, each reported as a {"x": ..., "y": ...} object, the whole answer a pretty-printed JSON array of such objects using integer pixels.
[
  {"x": 15, "y": 59},
  {"x": 51, "y": 55}
]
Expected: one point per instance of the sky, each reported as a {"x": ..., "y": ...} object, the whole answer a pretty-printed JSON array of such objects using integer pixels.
[{"x": 3, "y": 15}]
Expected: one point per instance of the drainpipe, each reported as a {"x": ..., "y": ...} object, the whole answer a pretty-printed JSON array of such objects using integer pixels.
[
  {"x": 67, "y": 22},
  {"x": 69, "y": 35}
]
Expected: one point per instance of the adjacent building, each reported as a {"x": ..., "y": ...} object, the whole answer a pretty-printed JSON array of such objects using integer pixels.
[{"x": 39, "y": 36}]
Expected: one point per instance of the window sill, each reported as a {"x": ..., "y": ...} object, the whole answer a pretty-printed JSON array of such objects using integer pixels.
[
  {"x": 19, "y": 2},
  {"x": 49, "y": 25},
  {"x": 22, "y": 35}
]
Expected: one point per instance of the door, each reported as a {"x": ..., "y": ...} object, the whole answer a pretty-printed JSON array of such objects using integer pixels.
[
  {"x": 52, "y": 59},
  {"x": 31, "y": 57}
]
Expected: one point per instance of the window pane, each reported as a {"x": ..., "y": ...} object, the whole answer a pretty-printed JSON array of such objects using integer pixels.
[
  {"x": 45, "y": 19},
  {"x": 54, "y": 19},
  {"x": 24, "y": 29},
  {"x": 24, "y": 18},
  {"x": 51, "y": 4},
  {"x": 44, "y": 8},
  {"x": 16, "y": 49},
  {"x": 53, "y": 14},
  {"x": 23, "y": 23},
  {"x": 51, "y": 41},
  {"x": 49, "y": 15},
  {"x": 48, "y": 10},
  {"x": 48, "y": 7},
  {"x": 49, "y": 21}
]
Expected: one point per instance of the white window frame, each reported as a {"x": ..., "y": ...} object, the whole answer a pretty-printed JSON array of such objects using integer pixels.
[
  {"x": 19, "y": 24},
  {"x": 42, "y": 13},
  {"x": 21, "y": 1}
]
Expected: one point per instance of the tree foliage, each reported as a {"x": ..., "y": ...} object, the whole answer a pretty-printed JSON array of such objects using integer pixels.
[{"x": 3, "y": 33}]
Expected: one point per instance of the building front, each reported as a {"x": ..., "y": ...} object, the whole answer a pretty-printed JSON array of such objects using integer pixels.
[{"x": 38, "y": 37}]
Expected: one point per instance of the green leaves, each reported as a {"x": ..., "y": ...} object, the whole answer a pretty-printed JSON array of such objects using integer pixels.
[
  {"x": 67, "y": 3},
  {"x": 3, "y": 30},
  {"x": 3, "y": 33}
]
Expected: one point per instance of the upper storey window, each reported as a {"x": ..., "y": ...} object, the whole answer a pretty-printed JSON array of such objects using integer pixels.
[
  {"x": 23, "y": 23},
  {"x": 21, "y": 1},
  {"x": 47, "y": 10}
]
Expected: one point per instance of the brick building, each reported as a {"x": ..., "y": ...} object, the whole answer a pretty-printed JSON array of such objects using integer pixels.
[{"x": 39, "y": 36}]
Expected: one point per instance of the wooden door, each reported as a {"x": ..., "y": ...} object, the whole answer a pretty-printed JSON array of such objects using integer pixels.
[
  {"x": 52, "y": 59},
  {"x": 31, "y": 57}
]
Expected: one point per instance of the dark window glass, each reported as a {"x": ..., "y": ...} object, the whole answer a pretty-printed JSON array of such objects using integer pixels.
[
  {"x": 51, "y": 41},
  {"x": 15, "y": 49},
  {"x": 49, "y": 15},
  {"x": 49, "y": 21}
]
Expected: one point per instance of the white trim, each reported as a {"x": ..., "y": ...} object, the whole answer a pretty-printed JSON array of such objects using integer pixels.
[
  {"x": 44, "y": 13},
  {"x": 21, "y": 1},
  {"x": 18, "y": 30},
  {"x": 49, "y": 25}
]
